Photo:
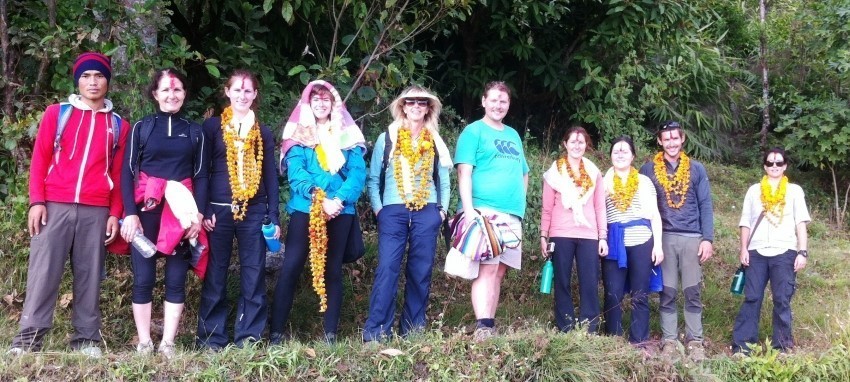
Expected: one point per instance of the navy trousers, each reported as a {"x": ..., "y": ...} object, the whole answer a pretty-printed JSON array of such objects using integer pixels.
[
  {"x": 585, "y": 254},
  {"x": 297, "y": 253},
  {"x": 251, "y": 307},
  {"x": 779, "y": 270},
  {"x": 400, "y": 229},
  {"x": 615, "y": 278}
]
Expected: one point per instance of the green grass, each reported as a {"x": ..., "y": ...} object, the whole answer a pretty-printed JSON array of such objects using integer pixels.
[{"x": 528, "y": 349}]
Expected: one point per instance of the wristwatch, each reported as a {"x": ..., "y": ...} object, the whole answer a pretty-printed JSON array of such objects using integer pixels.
[{"x": 803, "y": 253}]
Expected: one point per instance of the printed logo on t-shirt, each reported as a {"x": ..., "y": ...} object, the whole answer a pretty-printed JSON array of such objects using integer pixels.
[{"x": 505, "y": 147}]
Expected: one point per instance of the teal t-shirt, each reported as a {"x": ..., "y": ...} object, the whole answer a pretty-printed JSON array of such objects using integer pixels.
[{"x": 498, "y": 165}]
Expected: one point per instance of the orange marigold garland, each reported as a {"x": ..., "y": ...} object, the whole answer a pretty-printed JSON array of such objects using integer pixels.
[
  {"x": 625, "y": 193},
  {"x": 676, "y": 183},
  {"x": 242, "y": 187},
  {"x": 581, "y": 180},
  {"x": 423, "y": 151},
  {"x": 318, "y": 247},
  {"x": 772, "y": 201}
]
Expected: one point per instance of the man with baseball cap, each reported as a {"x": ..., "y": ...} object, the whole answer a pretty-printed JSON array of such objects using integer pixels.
[
  {"x": 687, "y": 217},
  {"x": 75, "y": 202}
]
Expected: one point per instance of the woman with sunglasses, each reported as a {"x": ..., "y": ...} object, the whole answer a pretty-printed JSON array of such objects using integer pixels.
[
  {"x": 634, "y": 242},
  {"x": 408, "y": 187},
  {"x": 322, "y": 154},
  {"x": 573, "y": 221},
  {"x": 774, "y": 247}
]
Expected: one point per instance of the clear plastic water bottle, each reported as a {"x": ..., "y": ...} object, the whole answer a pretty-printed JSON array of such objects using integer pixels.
[
  {"x": 145, "y": 247},
  {"x": 268, "y": 234}
]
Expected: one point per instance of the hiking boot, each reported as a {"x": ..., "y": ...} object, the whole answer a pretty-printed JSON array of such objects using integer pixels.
[
  {"x": 166, "y": 350},
  {"x": 91, "y": 350},
  {"x": 144, "y": 349},
  {"x": 670, "y": 350},
  {"x": 483, "y": 334},
  {"x": 696, "y": 352}
]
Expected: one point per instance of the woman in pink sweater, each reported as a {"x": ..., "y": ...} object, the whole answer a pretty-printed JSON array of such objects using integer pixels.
[{"x": 573, "y": 220}]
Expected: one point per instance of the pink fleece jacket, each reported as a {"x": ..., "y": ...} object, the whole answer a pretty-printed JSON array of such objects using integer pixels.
[{"x": 556, "y": 221}]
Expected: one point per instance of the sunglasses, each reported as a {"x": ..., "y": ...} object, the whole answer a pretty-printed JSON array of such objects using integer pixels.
[
  {"x": 671, "y": 125},
  {"x": 768, "y": 163},
  {"x": 417, "y": 101}
]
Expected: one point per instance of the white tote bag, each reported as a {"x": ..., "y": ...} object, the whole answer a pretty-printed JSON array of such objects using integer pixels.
[{"x": 460, "y": 265}]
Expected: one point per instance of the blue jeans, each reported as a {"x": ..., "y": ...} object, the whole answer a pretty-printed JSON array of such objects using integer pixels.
[
  {"x": 779, "y": 270},
  {"x": 614, "y": 279},
  {"x": 585, "y": 253},
  {"x": 251, "y": 310},
  {"x": 400, "y": 229}
]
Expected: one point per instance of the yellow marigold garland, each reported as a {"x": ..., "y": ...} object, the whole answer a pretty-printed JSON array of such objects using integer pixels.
[
  {"x": 676, "y": 183},
  {"x": 625, "y": 193},
  {"x": 773, "y": 202},
  {"x": 252, "y": 162},
  {"x": 423, "y": 151},
  {"x": 581, "y": 180},
  {"x": 318, "y": 247}
]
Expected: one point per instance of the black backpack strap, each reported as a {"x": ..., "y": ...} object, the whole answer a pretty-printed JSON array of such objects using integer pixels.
[
  {"x": 437, "y": 179},
  {"x": 388, "y": 145},
  {"x": 145, "y": 130},
  {"x": 197, "y": 134}
]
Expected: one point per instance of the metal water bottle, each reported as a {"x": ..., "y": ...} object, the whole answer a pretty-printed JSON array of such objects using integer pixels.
[
  {"x": 547, "y": 275},
  {"x": 268, "y": 234},
  {"x": 738, "y": 281},
  {"x": 142, "y": 244}
]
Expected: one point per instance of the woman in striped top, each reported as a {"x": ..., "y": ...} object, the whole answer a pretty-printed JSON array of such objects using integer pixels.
[{"x": 634, "y": 241}]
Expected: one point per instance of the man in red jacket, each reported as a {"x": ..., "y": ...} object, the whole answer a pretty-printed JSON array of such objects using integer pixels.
[{"x": 74, "y": 201}]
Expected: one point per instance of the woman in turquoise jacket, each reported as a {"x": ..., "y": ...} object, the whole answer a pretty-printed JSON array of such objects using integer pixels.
[{"x": 322, "y": 154}]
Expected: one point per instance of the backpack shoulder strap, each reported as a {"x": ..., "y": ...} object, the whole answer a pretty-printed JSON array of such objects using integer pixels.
[
  {"x": 65, "y": 110},
  {"x": 145, "y": 130},
  {"x": 116, "y": 132},
  {"x": 196, "y": 133},
  {"x": 388, "y": 145},
  {"x": 436, "y": 177}
]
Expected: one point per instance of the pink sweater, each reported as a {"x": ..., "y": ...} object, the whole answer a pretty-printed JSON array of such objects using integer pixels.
[{"x": 556, "y": 221}]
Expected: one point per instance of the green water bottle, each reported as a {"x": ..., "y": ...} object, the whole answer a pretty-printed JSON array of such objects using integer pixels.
[
  {"x": 738, "y": 281},
  {"x": 546, "y": 277}
]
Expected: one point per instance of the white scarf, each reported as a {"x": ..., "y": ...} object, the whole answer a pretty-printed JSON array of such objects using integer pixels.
[
  {"x": 242, "y": 128},
  {"x": 561, "y": 182},
  {"x": 406, "y": 176}
]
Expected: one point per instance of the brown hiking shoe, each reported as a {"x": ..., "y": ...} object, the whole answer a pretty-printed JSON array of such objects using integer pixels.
[
  {"x": 483, "y": 334},
  {"x": 696, "y": 352}
]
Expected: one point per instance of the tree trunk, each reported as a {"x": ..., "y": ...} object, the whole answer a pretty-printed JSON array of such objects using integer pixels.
[
  {"x": 9, "y": 58},
  {"x": 765, "y": 92},
  {"x": 41, "y": 78}
]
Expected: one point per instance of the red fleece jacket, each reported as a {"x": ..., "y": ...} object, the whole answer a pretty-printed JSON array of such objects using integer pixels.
[{"x": 84, "y": 171}]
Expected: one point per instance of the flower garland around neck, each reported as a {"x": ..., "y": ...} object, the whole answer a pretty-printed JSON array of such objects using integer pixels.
[
  {"x": 251, "y": 164},
  {"x": 772, "y": 201},
  {"x": 581, "y": 180},
  {"x": 318, "y": 230},
  {"x": 676, "y": 183},
  {"x": 625, "y": 193},
  {"x": 423, "y": 151}
]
